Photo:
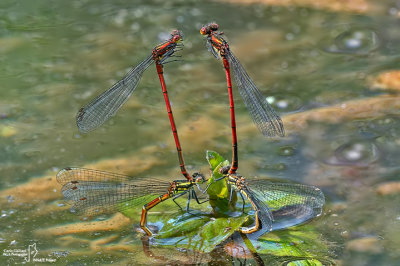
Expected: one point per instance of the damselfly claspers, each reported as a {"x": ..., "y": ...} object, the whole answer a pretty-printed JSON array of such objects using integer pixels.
[{"x": 263, "y": 115}]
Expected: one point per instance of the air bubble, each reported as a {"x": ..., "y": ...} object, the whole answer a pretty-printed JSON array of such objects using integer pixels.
[{"x": 354, "y": 41}]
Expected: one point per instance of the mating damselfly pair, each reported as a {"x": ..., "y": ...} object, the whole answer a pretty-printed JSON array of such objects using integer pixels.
[{"x": 93, "y": 192}]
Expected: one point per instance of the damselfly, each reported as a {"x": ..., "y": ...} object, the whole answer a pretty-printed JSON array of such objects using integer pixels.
[
  {"x": 93, "y": 192},
  {"x": 263, "y": 115},
  {"x": 106, "y": 105}
]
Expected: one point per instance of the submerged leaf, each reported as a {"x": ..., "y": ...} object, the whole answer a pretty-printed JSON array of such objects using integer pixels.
[
  {"x": 199, "y": 232},
  {"x": 300, "y": 243}
]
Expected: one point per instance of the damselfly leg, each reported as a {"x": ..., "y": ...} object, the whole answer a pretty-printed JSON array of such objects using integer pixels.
[
  {"x": 263, "y": 115},
  {"x": 93, "y": 192}
]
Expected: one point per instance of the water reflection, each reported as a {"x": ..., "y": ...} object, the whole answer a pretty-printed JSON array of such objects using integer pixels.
[
  {"x": 285, "y": 103},
  {"x": 241, "y": 250}
]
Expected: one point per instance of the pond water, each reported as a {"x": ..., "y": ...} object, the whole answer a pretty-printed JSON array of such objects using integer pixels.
[{"x": 317, "y": 67}]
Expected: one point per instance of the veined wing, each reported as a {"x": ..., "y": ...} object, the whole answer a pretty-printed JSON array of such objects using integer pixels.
[
  {"x": 264, "y": 212},
  {"x": 104, "y": 106},
  {"x": 211, "y": 48},
  {"x": 93, "y": 192},
  {"x": 266, "y": 119},
  {"x": 291, "y": 204}
]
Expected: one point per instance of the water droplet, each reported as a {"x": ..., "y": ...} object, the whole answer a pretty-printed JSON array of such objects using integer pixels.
[
  {"x": 344, "y": 233},
  {"x": 282, "y": 104},
  {"x": 270, "y": 99}
]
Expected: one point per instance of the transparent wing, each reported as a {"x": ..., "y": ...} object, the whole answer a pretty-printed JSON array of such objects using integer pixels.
[
  {"x": 290, "y": 204},
  {"x": 263, "y": 115},
  {"x": 211, "y": 48},
  {"x": 92, "y": 192},
  {"x": 104, "y": 106},
  {"x": 264, "y": 212}
]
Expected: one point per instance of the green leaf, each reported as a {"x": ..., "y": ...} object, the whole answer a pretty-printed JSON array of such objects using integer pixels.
[
  {"x": 182, "y": 225},
  {"x": 305, "y": 262},
  {"x": 219, "y": 191},
  {"x": 214, "y": 159},
  {"x": 200, "y": 232},
  {"x": 292, "y": 242}
]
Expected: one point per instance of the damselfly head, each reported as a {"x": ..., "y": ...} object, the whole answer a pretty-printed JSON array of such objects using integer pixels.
[
  {"x": 209, "y": 28},
  {"x": 224, "y": 170},
  {"x": 176, "y": 36},
  {"x": 203, "y": 31}
]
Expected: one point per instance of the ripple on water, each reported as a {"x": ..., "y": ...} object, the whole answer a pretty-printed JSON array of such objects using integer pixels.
[
  {"x": 286, "y": 151},
  {"x": 358, "y": 153},
  {"x": 359, "y": 41}
]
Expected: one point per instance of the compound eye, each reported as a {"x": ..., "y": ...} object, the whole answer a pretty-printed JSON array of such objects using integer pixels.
[
  {"x": 176, "y": 38},
  {"x": 203, "y": 31}
]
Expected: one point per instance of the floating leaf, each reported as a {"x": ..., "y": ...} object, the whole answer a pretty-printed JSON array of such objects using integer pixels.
[
  {"x": 300, "y": 243},
  {"x": 303, "y": 247},
  {"x": 200, "y": 232}
]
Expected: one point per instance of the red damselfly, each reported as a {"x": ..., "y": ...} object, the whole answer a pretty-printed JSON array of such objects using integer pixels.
[
  {"x": 106, "y": 105},
  {"x": 263, "y": 115},
  {"x": 94, "y": 192}
]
